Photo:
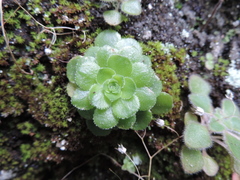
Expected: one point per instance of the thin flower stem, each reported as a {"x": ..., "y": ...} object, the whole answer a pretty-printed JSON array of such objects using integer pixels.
[
  {"x": 138, "y": 173},
  {"x": 152, "y": 156},
  {"x": 7, "y": 40}
]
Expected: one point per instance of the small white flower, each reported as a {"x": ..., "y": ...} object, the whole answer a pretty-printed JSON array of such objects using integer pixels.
[
  {"x": 229, "y": 94},
  {"x": 47, "y": 51},
  {"x": 121, "y": 149},
  {"x": 199, "y": 111},
  {"x": 160, "y": 122}
]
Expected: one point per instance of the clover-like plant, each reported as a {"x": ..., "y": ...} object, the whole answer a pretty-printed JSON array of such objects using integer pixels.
[
  {"x": 219, "y": 125},
  {"x": 114, "y": 84},
  {"x": 115, "y": 17}
]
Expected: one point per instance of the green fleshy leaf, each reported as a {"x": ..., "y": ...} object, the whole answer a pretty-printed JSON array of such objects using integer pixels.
[
  {"x": 216, "y": 125},
  {"x": 131, "y": 53},
  {"x": 233, "y": 143},
  {"x": 202, "y": 101},
  {"x": 71, "y": 87},
  {"x": 104, "y": 119},
  {"x": 131, "y": 7},
  {"x": 142, "y": 121},
  {"x": 129, "y": 42},
  {"x": 141, "y": 74},
  {"x": 121, "y": 65},
  {"x": 86, "y": 114},
  {"x": 119, "y": 79},
  {"x": 164, "y": 104},
  {"x": 147, "y": 98},
  {"x": 197, "y": 136},
  {"x": 236, "y": 165},
  {"x": 125, "y": 108},
  {"x": 104, "y": 74},
  {"x": 146, "y": 60},
  {"x": 229, "y": 108},
  {"x": 155, "y": 85},
  {"x": 199, "y": 85},
  {"x": 112, "y": 17},
  {"x": 103, "y": 54},
  {"x": 71, "y": 67},
  {"x": 128, "y": 165},
  {"x": 128, "y": 88},
  {"x": 112, "y": 89},
  {"x": 96, "y": 130},
  {"x": 233, "y": 123},
  {"x": 107, "y": 37},
  {"x": 80, "y": 100},
  {"x": 188, "y": 117},
  {"x": 92, "y": 51},
  {"x": 97, "y": 97},
  {"x": 210, "y": 166},
  {"x": 192, "y": 160},
  {"x": 86, "y": 75},
  {"x": 126, "y": 123}
]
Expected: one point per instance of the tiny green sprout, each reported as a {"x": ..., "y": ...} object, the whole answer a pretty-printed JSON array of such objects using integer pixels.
[
  {"x": 129, "y": 7},
  {"x": 220, "y": 125},
  {"x": 113, "y": 85},
  {"x": 209, "y": 63}
]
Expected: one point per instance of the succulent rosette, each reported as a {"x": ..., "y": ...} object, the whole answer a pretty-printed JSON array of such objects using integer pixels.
[{"x": 113, "y": 84}]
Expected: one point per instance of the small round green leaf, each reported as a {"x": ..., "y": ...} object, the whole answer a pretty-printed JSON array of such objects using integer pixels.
[
  {"x": 232, "y": 123},
  {"x": 197, "y": 136},
  {"x": 92, "y": 51},
  {"x": 199, "y": 85},
  {"x": 210, "y": 166},
  {"x": 202, "y": 101},
  {"x": 229, "y": 108},
  {"x": 112, "y": 17},
  {"x": 188, "y": 117},
  {"x": 163, "y": 104},
  {"x": 126, "y": 123},
  {"x": 141, "y": 74},
  {"x": 71, "y": 67},
  {"x": 96, "y": 130},
  {"x": 103, "y": 54},
  {"x": 125, "y": 108},
  {"x": 147, "y": 98},
  {"x": 142, "y": 121},
  {"x": 97, "y": 97},
  {"x": 233, "y": 143},
  {"x": 128, "y": 88},
  {"x": 236, "y": 165},
  {"x": 192, "y": 160},
  {"x": 86, "y": 75},
  {"x": 146, "y": 60},
  {"x": 155, "y": 85},
  {"x": 216, "y": 125},
  {"x": 129, "y": 42},
  {"x": 121, "y": 65},
  {"x": 131, "y": 53},
  {"x": 131, "y": 7},
  {"x": 80, "y": 100},
  {"x": 86, "y": 114},
  {"x": 104, "y": 119},
  {"x": 112, "y": 89},
  {"x": 107, "y": 37},
  {"x": 71, "y": 87},
  {"x": 104, "y": 74}
]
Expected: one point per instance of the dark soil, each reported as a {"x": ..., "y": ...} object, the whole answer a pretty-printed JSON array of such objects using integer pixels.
[{"x": 185, "y": 24}]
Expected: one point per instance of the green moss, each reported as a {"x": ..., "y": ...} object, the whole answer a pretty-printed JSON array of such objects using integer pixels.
[
  {"x": 220, "y": 68},
  {"x": 224, "y": 161},
  {"x": 164, "y": 58}
]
